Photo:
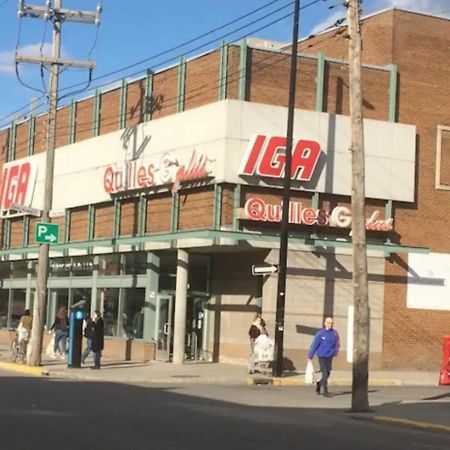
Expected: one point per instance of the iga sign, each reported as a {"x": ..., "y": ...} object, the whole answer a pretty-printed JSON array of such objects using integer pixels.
[
  {"x": 17, "y": 188},
  {"x": 257, "y": 209},
  {"x": 265, "y": 156},
  {"x": 134, "y": 174}
]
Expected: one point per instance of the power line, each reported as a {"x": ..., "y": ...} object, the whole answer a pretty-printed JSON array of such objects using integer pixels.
[{"x": 165, "y": 51}]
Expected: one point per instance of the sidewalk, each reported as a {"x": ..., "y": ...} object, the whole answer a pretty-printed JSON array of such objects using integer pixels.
[{"x": 420, "y": 404}]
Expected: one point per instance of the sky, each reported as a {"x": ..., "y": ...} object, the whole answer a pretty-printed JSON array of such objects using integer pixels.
[{"x": 132, "y": 31}]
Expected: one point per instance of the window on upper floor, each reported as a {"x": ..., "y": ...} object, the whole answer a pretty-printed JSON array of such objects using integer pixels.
[{"x": 443, "y": 158}]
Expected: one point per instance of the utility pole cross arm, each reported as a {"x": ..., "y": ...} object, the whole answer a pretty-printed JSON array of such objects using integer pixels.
[{"x": 59, "y": 61}]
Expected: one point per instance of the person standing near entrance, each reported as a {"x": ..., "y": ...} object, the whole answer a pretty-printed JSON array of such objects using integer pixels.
[
  {"x": 88, "y": 331},
  {"x": 97, "y": 338},
  {"x": 61, "y": 328},
  {"x": 326, "y": 345}
]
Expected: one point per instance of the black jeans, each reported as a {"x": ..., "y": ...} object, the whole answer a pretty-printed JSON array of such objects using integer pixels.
[{"x": 325, "y": 368}]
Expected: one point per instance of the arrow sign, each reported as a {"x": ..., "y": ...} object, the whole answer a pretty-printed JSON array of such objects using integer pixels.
[
  {"x": 46, "y": 233},
  {"x": 264, "y": 269}
]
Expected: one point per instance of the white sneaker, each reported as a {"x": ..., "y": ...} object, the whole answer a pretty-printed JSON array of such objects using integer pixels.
[
  {"x": 53, "y": 356},
  {"x": 63, "y": 356}
]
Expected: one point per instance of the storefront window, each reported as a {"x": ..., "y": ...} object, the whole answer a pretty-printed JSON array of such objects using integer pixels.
[
  {"x": 5, "y": 270},
  {"x": 17, "y": 306},
  {"x": 122, "y": 311},
  {"x": 135, "y": 263},
  {"x": 19, "y": 269},
  {"x": 109, "y": 264},
  {"x": 4, "y": 294}
]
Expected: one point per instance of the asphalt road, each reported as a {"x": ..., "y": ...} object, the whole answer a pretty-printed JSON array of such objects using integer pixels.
[{"x": 42, "y": 414}]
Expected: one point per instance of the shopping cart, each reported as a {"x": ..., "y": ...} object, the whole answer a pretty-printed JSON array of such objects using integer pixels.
[
  {"x": 18, "y": 349},
  {"x": 262, "y": 357}
]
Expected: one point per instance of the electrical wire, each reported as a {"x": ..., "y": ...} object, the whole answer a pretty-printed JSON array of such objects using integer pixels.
[
  {"x": 173, "y": 48},
  {"x": 212, "y": 41}
]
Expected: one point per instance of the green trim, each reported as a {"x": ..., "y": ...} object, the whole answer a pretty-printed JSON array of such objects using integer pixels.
[
  {"x": 217, "y": 206},
  {"x": 223, "y": 71},
  {"x": 123, "y": 104},
  {"x": 31, "y": 130},
  {"x": 148, "y": 96},
  {"x": 25, "y": 231},
  {"x": 388, "y": 209},
  {"x": 175, "y": 212},
  {"x": 12, "y": 142},
  {"x": 270, "y": 237},
  {"x": 66, "y": 225},
  {"x": 6, "y": 234},
  {"x": 72, "y": 121},
  {"x": 242, "y": 88},
  {"x": 96, "y": 114},
  {"x": 116, "y": 219},
  {"x": 181, "y": 84},
  {"x": 320, "y": 81},
  {"x": 142, "y": 215},
  {"x": 315, "y": 200},
  {"x": 393, "y": 81},
  {"x": 236, "y": 205},
  {"x": 91, "y": 222}
]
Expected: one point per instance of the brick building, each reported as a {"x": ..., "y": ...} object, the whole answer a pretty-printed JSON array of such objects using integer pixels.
[{"x": 178, "y": 174}]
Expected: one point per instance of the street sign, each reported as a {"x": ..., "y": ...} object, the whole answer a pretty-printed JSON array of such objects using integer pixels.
[
  {"x": 46, "y": 233},
  {"x": 26, "y": 209},
  {"x": 264, "y": 269}
]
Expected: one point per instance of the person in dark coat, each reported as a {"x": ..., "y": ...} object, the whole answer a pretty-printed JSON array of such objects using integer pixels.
[
  {"x": 61, "y": 328},
  {"x": 88, "y": 331},
  {"x": 97, "y": 338}
]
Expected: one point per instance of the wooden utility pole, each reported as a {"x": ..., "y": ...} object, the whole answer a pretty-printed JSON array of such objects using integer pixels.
[
  {"x": 57, "y": 15},
  {"x": 360, "y": 400},
  {"x": 284, "y": 225}
]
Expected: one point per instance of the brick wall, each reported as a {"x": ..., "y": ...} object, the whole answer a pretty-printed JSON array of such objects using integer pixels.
[{"x": 196, "y": 208}]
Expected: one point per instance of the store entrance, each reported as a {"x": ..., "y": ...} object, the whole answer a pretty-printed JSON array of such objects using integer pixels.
[{"x": 195, "y": 327}]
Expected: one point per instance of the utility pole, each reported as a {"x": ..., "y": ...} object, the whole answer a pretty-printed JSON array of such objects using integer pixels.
[
  {"x": 57, "y": 15},
  {"x": 284, "y": 225},
  {"x": 361, "y": 324}
]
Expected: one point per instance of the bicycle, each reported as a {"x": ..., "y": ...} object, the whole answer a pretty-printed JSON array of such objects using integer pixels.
[{"x": 18, "y": 349}]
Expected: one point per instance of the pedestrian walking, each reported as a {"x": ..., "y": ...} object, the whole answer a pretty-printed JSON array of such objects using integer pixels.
[
  {"x": 326, "y": 346},
  {"x": 88, "y": 332},
  {"x": 97, "y": 338},
  {"x": 61, "y": 328}
]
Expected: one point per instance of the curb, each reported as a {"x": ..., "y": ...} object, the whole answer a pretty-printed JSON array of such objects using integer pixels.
[
  {"x": 35, "y": 371},
  {"x": 301, "y": 382},
  {"x": 412, "y": 423}
]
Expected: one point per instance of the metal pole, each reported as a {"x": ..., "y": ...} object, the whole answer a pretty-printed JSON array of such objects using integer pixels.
[
  {"x": 360, "y": 400},
  {"x": 42, "y": 269},
  {"x": 282, "y": 265}
]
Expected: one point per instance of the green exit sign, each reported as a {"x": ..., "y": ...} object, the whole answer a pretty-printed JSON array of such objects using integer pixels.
[{"x": 46, "y": 233}]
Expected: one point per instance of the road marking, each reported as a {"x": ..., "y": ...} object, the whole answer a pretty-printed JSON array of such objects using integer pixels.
[{"x": 413, "y": 423}]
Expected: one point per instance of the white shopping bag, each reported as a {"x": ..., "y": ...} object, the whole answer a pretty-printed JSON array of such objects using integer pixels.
[
  {"x": 309, "y": 373},
  {"x": 49, "y": 349}
]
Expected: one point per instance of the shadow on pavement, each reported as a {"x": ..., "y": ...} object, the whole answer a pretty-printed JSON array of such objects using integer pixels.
[{"x": 45, "y": 413}]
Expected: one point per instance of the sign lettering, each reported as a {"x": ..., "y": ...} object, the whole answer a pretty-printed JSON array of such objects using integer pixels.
[
  {"x": 341, "y": 217},
  {"x": 266, "y": 156}
]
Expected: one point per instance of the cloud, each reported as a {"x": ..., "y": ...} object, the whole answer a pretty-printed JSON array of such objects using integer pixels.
[
  {"x": 435, "y": 7},
  {"x": 7, "y": 64}
]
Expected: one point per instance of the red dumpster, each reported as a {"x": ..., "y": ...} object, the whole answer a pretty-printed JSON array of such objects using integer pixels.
[{"x": 445, "y": 368}]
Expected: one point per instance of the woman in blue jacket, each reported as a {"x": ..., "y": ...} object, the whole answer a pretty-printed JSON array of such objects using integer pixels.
[{"x": 326, "y": 345}]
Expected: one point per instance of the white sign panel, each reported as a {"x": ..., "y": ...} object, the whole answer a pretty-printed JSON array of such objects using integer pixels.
[
  {"x": 228, "y": 141},
  {"x": 429, "y": 281}
]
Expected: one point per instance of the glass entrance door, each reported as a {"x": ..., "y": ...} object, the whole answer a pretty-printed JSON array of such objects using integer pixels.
[{"x": 163, "y": 333}]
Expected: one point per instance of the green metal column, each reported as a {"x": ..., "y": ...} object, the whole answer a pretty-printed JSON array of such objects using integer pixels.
[
  {"x": 242, "y": 89},
  {"x": 175, "y": 212},
  {"x": 142, "y": 215},
  {"x": 96, "y": 114},
  {"x": 28, "y": 302},
  {"x": 223, "y": 71},
  {"x": 25, "y": 232},
  {"x": 72, "y": 121},
  {"x": 66, "y": 229},
  {"x": 123, "y": 104},
  {"x": 151, "y": 293},
  {"x": 91, "y": 222},
  {"x": 236, "y": 206},
  {"x": 6, "y": 233},
  {"x": 94, "y": 303},
  {"x": 148, "y": 103},
  {"x": 12, "y": 142},
  {"x": 320, "y": 81},
  {"x": 315, "y": 205},
  {"x": 116, "y": 221},
  {"x": 181, "y": 84},
  {"x": 31, "y": 129},
  {"x": 393, "y": 80},
  {"x": 217, "y": 206}
]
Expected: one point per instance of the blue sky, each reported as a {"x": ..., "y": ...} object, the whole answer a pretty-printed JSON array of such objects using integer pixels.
[{"x": 134, "y": 30}]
